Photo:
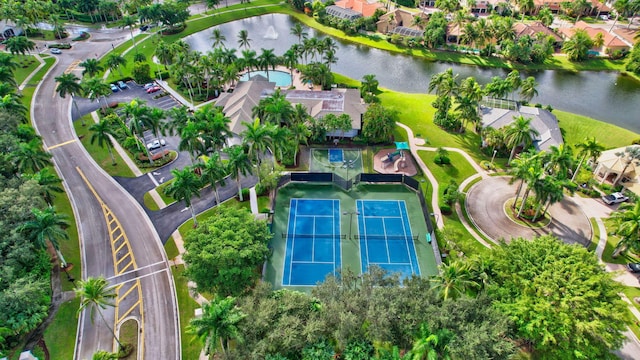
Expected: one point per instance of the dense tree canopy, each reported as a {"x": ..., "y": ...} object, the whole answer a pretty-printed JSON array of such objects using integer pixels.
[
  {"x": 378, "y": 123},
  {"x": 226, "y": 250},
  {"x": 559, "y": 297}
]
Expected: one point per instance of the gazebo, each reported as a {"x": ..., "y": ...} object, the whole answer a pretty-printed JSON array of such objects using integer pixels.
[{"x": 611, "y": 165}]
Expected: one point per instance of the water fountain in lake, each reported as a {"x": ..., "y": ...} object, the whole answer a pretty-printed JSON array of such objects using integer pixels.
[{"x": 271, "y": 33}]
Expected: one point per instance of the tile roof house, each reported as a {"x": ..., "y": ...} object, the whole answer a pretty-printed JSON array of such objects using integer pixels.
[
  {"x": 402, "y": 22},
  {"x": 238, "y": 105},
  {"x": 362, "y": 7},
  {"x": 341, "y": 13},
  {"x": 543, "y": 121},
  {"x": 7, "y": 31},
  {"x": 611, "y": 42},
  {"x": 533, "y": 29}
]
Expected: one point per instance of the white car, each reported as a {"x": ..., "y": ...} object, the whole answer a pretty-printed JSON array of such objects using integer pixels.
[
  {"x": 614, "y": 198},
  {"x": 56, "y": 51},
  {"x": 156, "y": 144}
]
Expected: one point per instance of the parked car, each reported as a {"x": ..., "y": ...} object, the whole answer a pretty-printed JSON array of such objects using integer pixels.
[
  {"x": 114, "y": 88},
  {"x": 144, "y": 27},
  {"x": 56, "y": 51},
  {"x": 156, "y": 144},
  {"x": 614, "y": 198},
  {"x": 153, "y": 89},
  {"x": 633, "y": 267},
  {"x": 148, "y": 85},
  {"x": 122, "y": 85},
  {"x": 604, "y": 17}
]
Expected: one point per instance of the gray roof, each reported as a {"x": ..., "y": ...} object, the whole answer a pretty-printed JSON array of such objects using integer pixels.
[
  {"x": 239, "y": 104},
  {"x": 342, "y": 13},
  {"x": 542, "y": 121},
  {"x": 336, "y": 101}
]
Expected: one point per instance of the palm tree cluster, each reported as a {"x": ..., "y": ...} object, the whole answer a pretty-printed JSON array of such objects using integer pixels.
[
  {"x": 547, "y": 175},
  {"x": 468, "y": 94}
]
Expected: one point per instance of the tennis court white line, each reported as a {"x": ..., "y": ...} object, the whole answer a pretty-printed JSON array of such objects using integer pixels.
[{"x": 312, "y": 262}]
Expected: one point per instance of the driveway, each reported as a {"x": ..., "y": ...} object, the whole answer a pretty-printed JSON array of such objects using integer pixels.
[{"x": 485, "y": 205}]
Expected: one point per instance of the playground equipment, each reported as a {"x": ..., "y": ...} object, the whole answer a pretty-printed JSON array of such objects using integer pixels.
[{"x": 391, "y": 155}]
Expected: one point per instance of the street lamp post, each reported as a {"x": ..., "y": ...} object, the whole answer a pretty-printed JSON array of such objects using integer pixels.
[
  {"x": 436, "y": 223},
  {"x": 494, "y": 156},
  {"x": 350, "y": 213}
]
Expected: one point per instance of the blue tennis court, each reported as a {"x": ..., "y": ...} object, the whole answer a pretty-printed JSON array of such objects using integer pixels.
[
  {"x": 313, "y": 241},
  {"x": 336, "y": 155},
  {"x": 385, "y": 237}
]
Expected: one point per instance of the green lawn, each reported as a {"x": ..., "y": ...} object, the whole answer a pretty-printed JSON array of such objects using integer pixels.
[
  {"x": 149, "y": 202},
  {"x": 612, "y": 240},
  {"x": 458, "y": 170},
  {"x": 26, "y": 65},
  {"x": 187, "y": 307},
  {"x": 60, "y": 335},
  {"x": 70, "y": 248},
  {"x": 129, "y": 335},
  {"x": 595, "y": 239},
  {"x": 100, "y": 154},
  {"x": 166, "y": 198},
  {"x": 171, "y": 249},
  {"x": 576, "y": 128}
]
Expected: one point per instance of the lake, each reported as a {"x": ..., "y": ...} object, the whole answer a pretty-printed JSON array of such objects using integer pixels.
[{"x": 606, "y": 96}]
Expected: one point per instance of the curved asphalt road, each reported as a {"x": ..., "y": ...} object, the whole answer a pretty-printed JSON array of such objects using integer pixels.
[
  {"x": 152, "y": 303},
  {"x": 485, "y": 206}
]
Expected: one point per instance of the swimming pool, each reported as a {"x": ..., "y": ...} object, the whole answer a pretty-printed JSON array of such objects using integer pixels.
[{"x": 281, "y": 78}]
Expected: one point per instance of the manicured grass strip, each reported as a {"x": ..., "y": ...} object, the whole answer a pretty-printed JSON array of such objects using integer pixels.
[
  {"x": 171, "y": 249},
  {"x": 160, "y": 189},
  {"x": 100, "y": 154},
  {"x": 595, "y": 239},
  {"x": 129, "y": 335},
  {"x": 60, "y": 335},
  {"x": 149, "y": 203},
  {"x": 612, "y": 240},
  {"x": 26, "y": 65},
  {"x": 464, "y": 241},
  {"x": 70, "y": 248},
  {"x": 187, "y": 307}
]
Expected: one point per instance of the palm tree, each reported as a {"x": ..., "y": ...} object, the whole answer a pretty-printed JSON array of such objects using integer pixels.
[
  {"x": 627, "y": 220},
  {"x": 130, "y": 21},
  {"x": 219, "y": 321},
  {"x": 47, "y": 225},
  {"x": 184, "y": 186},
  {"x": 6, "y": 76},
  {"x": 69, "y": 84},
  {"x": 267, "y": 59},
  {"x": 96, "y": 294},
  {"x": 19, "y": 45},
  {"x": 96, "y": 89},
  {"x": 243, "y": 39},
  {"x": 444, "y": 83},
  {"x": 520, "y": 170},
  {"x": 116, "y": 62},
  {"x": 11, "y": 103},
  {"x": 49, "y": 183},
  {"x": 298, "y": 31},
  {"x": 453, "y": 281},
  {"x": 431, "y": 345},
  {"x": 369, "y": 84},
  {"x": 257, "y": 138},
  {"x": 218, "y": 38},
  {"x": 91, "y": 67},
  {"x": 138, "y": 115},
  {"x": 239, "y": 164},
  {"x": 213, "y": 172},
  {"x": 8, "y": 61},
  {"x": 559, "y": 160},
  {"x": 248, "y": 61},
  {"x": 528, "y": 89},
  {"x": 29, "y": 156},
  {"x": 590, "y": 148},
  {"x": 102, "y": 133},
  {"x": 519, "y": 133},
  {"x": 577, "y": 47},
  {"x": 531, "y": 177}
]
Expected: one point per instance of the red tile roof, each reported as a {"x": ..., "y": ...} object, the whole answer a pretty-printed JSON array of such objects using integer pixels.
[{"x": 361, "y": 6}]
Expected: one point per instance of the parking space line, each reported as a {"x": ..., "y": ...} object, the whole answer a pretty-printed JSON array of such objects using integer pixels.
[{"x": 153, "y": 179}]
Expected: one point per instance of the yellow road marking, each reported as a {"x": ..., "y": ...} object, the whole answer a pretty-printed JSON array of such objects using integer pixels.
[
  {"x": 125, "y": 256},
  {"x": 128, "y": 291},
  {"x": 130, "y": 310},
  {"x": 121, "y": 246},
  {"x": 61, "y": 144},
  {"x": 113, "y": 225}
]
